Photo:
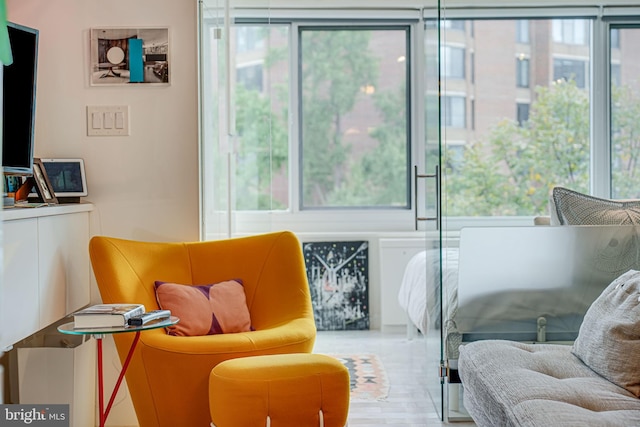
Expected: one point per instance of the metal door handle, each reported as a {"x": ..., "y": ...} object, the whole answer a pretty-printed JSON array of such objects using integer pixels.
[{"x": 436, "y": 176}]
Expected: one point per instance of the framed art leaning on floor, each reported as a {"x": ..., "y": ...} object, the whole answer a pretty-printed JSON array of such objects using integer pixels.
[{"x": 338, "y": 276}]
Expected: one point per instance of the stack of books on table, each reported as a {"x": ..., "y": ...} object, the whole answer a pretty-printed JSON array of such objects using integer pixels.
[{"x": 106, "y": 315}]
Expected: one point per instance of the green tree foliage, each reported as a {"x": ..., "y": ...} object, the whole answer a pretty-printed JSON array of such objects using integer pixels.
[
  {"x": 512, "y": 171},
  {"x": 380, "y": 176},
  {"x": 262, "y": 149},
  {"x": 335, "y": 65}
]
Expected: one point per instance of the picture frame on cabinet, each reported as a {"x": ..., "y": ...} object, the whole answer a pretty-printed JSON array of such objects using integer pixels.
[
  {"x": 42, "y": 184},
  {"x": 129, "y": 56}
]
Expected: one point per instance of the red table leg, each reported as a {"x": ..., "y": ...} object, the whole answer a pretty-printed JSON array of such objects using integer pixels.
[
  {"x": 105, "y": 412},
  {"x": 100, "y": 380}
]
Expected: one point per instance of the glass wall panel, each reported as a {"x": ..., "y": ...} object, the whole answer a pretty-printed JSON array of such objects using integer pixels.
[
  {"x": 430, "y": 195},
  {"x": 213, "y": 111}
]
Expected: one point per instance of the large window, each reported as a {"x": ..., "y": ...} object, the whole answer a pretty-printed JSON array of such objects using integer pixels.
[
  {"x": 325, "y": 118},
  {"x": 354, "y": 110}
]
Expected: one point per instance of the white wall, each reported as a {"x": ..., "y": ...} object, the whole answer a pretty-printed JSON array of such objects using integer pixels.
[{"x": 144, "y": 186}]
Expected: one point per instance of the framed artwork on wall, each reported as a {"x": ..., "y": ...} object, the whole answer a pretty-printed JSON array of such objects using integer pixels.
[
  {"x": 127, "y": 56},
  {"x": 338, "y": 276}
]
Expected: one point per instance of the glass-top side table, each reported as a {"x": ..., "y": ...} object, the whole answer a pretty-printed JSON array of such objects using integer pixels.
[{"x": 98, "y": 334}]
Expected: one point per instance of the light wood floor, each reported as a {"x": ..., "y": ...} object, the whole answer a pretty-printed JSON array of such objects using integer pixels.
[{"x": 408, "y": 403}]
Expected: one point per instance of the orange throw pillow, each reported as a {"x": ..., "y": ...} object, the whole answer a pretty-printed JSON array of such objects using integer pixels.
[{"x": 219, "y": 308}]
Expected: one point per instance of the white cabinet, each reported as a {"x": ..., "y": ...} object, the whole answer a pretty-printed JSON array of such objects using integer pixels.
[
  {"x": 20, "y": 296},
  {"x": 63, "y": 254},
  {"x": 46, "y": 268},
  {"x": 395, "y": 254}
]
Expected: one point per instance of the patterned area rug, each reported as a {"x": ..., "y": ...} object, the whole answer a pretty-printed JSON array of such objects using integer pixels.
[{"x": 368, "y": 377}]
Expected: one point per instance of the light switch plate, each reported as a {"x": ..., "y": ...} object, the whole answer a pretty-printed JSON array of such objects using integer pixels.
[{"x": 107, "y": 120}]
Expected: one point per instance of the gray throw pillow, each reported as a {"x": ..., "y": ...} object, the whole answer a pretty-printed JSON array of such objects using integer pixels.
[
  {"x": 609, "y": 337},
  {"x": 573, "y": 208}
]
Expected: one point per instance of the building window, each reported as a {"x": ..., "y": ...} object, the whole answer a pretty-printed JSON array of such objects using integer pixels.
[
  {"x": 250, "y": 76},
  {"x": 472, "y": 67},
  {"x": 249, "y": 38},
  {"x": 454, "y": 155},
  {"x": 571, "y": 31},
  {"x": 447, "y": 24},
  {"x": 453, "y": 62},
  {"x": 570, "y": 69},
  {"x": 522, "y": 31},
  {"x": 454, "y": 111},
  {"x": 522, "y": 113},
  {"x": 473, "y": 114},
  {"x": 522, "y": 72}
]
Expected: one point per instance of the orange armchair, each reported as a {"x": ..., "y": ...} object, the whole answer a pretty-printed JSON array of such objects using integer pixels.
[{"x": 168, "y": 375}]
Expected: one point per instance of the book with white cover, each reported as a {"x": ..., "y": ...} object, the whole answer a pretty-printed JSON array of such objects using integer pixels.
[{"x": 106, "y": 315}]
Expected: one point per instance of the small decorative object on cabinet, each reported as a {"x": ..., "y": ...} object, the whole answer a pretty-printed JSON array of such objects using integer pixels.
[{"x": 43, "y": 185}]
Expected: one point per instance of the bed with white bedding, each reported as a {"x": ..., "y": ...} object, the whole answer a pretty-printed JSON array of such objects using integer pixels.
[
  {"x": 508, "y": 282},
  {"x": 418, "y": 294}
]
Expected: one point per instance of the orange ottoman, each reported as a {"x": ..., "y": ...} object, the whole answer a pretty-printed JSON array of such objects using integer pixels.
[{"x": 283, "y": 390}]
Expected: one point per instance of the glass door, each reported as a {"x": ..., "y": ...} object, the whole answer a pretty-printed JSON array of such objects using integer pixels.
[
  {"x": 501, "y": 147},
  {"x": 441, "y": 113},
  {"x": 430, "y": 187}
]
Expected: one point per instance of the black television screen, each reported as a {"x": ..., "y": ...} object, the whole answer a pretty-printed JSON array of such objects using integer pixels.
[{"x": 19, "y": 101}]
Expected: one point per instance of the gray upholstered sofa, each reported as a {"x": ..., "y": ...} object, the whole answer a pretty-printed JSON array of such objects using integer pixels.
[{"x": 594, "y": 382}]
